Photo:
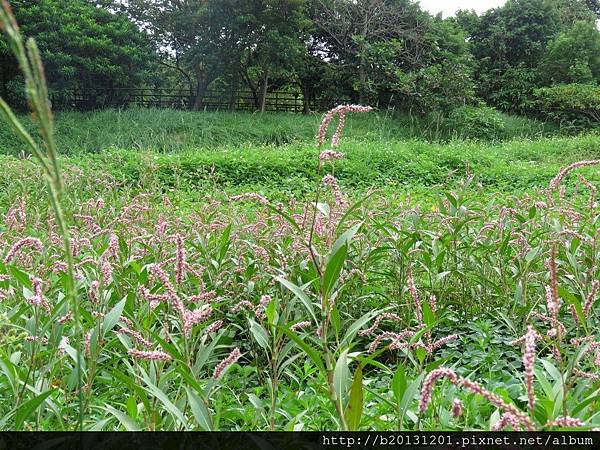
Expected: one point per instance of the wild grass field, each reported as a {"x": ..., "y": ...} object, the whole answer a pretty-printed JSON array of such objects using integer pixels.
[{"x": 214, "y": 291}]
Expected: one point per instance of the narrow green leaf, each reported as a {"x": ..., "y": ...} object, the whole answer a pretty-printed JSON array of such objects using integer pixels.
[
  {"x": 340, "y": 377},
  {"x": 333, "y": 269},
  {"x": 29, "y": 407},
  {"x": 310, "y": 352},
  {"x": 128, "y": 423},
  {"x": 112, "y": 317},
  {"x": 199, "y": 410},
  {"x": 260, "y": 334},
  {"x": 298, "y": 292},
  {"x": 355, "y": 403}
]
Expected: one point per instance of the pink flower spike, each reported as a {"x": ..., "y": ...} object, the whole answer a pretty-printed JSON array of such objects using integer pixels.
[
  {"x": 565, "y": 422},
  {"x": 233, "y": 357},
  {"x": 457, "y": 408},
  {"x": 150, "y": 356},
  {"x": 214, "y": 327},
  {"x": 528, "y": 363},
  {"x": 591, "y": 298},
  {"x": 429, "y": 382},
  {"x": 28, "y": 242}
]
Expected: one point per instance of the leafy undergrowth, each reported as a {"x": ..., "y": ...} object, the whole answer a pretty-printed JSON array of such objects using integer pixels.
[
  {"x": 409, "y": 167},
  {"x": 163, "y": 130},
  {"x": 212, "y": 317}
]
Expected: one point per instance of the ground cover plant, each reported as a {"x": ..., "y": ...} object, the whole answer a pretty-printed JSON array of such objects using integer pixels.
[{"x": 128, "y": 305}]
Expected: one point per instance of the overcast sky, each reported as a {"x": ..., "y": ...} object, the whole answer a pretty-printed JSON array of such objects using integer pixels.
[{"x": 449, "y": 7}]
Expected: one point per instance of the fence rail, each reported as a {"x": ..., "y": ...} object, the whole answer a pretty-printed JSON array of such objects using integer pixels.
[{"x": 100, "y": 97}]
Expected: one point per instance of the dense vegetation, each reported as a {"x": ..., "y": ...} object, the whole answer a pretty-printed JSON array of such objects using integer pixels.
[
  {"x": 201, "y": 275},
  {"x": 388, "y": 53}
]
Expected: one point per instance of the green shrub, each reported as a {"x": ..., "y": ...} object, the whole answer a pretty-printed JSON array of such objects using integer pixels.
[
  {"x": 476, "y": 122},
  {"x": 574, "y": 104}
]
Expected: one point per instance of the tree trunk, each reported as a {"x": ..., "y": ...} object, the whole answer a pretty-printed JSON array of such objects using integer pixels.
[
  {"x": 201, "y": 87},
  {"x": 306, "y": 97},
  {"x": 362, "y": 78},
  {"x": 234, "y": 88},
  {"x": 263, "y": 93}
]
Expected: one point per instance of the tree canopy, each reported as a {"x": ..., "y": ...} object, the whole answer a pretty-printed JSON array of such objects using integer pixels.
[
  {"x": 382, "y": 52},
  {"x": 81, "y": 44}
]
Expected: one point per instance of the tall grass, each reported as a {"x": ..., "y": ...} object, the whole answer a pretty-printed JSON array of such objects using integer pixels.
[
  {"x": 30, "y": 63},
  {"x": 162, "y": 130}
]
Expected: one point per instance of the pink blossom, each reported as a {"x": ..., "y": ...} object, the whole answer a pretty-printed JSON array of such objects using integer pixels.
[
  {"x": 214, "y": 327},
  {"x": 180, "y": 261},
  {"x": 429, "y": 382},
  {"x": 457, "y": 408},
  {"x": 330, "y": 154},
  {"x": 506, "y": 420},
  {"x": 565, "y": 422},
  {"x": 565, "y": 171},
  {"x": 136, "y": 336},
  {"x": 64, "y": 319},
  {"x": 159, "y": 274},
  {"x": 107, "y": 271},
  {"x": 150, "y": 356},
  {"x": 300, "y": 325},
  {"x": 233, "y": 357},
  {"x": 113, "y": 246},
  {"x": 28, "y": 242},
  {"x": 378, "y": 319},
  {"x": 330, "y": 180},
  {"x": 591, "y": 298},
  {"x": 191, "y": 318},
  {"x": 415, "y": 296},
  {"x": 38, "y": 298},
  {"x": 88, "y": 343},
  {"x": 340, "y": 110},
  {"x": 93, "y": 291},
  {"x": 528, "y": 362}
]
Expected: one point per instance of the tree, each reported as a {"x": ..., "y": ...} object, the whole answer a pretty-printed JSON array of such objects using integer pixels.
[
  {"x": 365, "y": 35},
  {"x": 573, "y": 56},
  {"x": 199, "y": 39},
  {"x": 274, "y": 44},
  {"x": 82, "y": 45}
]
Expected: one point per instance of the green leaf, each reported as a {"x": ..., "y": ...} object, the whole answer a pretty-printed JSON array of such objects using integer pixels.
[
  {"x": 224, "y": 243},
  {"x": 169, "y": 406},
  {"x": 428, "y": 316},
  {"x": 29, "y": 407},
  {"x": 112, "y": 317},
  {"x": 345, "y": 238},
  {"x": 310, "y": 352},
  {"x": 260, "y": 334},
  {"x": 340, "y": 376},
  {"x": 298, "y": 292},
  {"x": 199, "y": 410},
  {"x": 357, "y": 325},
  {"x": 355, "y": 403},
  {"x": 399, "y": 382},
  {"x": 333, "y": 269},
  {"x": 409, "y": 396},
  {"x": 128, "y": 423}
]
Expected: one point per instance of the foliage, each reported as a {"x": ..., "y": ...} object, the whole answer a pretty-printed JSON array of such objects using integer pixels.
[
  {"x": 573, "y": 56},
  {"x": 578, "y": 104},
  {"x": 121, "y": 308},
  {"x": 82, "y": 46},
  {"x": 477, "y": 122},
  {"x": 162, "y": 130}
]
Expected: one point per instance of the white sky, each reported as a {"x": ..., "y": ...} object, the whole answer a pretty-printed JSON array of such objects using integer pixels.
[{"x": 449, "y": 7}]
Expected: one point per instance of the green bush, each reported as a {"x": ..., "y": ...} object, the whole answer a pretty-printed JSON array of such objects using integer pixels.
[
  {"x": 476, "y": 122},
  {"x": 574, "y": 104}
]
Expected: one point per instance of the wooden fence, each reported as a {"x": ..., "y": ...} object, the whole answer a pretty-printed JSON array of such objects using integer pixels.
[{"x": 99, "y": 97}]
